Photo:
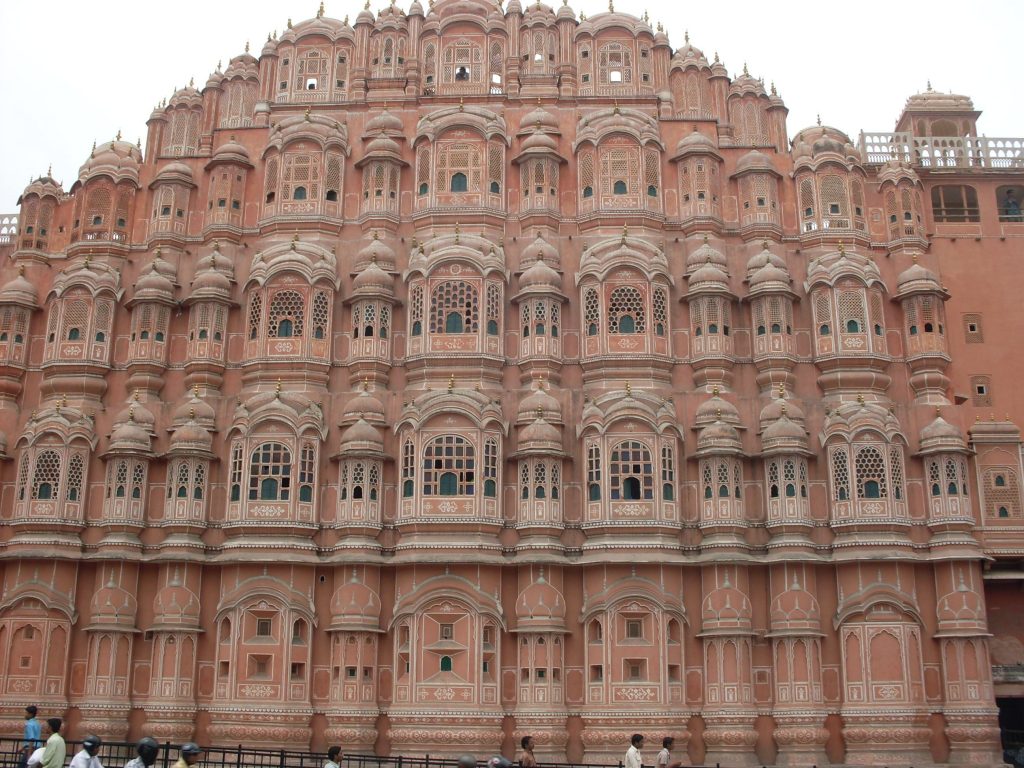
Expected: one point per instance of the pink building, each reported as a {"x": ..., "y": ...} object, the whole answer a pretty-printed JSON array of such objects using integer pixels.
[{"x": 456, "y": 374}]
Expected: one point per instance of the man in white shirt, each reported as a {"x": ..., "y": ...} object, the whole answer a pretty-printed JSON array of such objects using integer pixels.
[
  {"x": 664, "y": 759},
  {"x": 147, "y": 750},
  {"x": 86, "y": 757},
  {"x": 633, "y": 758}
]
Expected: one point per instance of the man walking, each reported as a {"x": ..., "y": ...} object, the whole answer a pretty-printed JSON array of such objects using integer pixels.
[
  {"x": 190, "y": 753},
  {"x": 147, "y": 750},
  {"x": 633, "y": 757},
  {"x": 32, "y": 733},
  {"x": 56, "y": 749}
]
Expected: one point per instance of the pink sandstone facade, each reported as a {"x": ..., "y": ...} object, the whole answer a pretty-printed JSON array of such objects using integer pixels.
[{"x": 461, "y": 373}]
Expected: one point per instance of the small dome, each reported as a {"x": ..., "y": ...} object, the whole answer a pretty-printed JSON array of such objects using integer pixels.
[
  {"x": 540, "y": 275},
  {"x": 539, "y": 118},
  {"x": 544, "y": 249},
  {"x": 916, "y": 274},
  {"x": 384, "y": 122},
  {"x": 195, "y": 409},
  {"x": 130, "y": 436},
  {"x": 538, "y": 142},
  {"x": 211, "y": 282},
  {"x": 726, "y": 608},
  {"x": 231, "y": 151},
  {"x": 188, "y": 96},
  {"x": 540, "y": 402},
  {"x": 117, "y": 159},
  {"x": 355, "y": 605},
  {"x": 709, "y": 276},
  {"x": 769, "y": 274},
  {"x": 176, "y": 604},
  {"x": 136, "y": 412},
  {"x": 540, "y": 606},
  {"x": 384, "y": 146},
  {"x": 112, "y": 604},
  {"x": 716, "y": 409},
  {"x": 940, "y": 435},
  {"x": 719, "y": 438},
  {"x": 175, "y": 171},
  {"x": 778, "y": 406},
  {"x": 374, "y": 279},
  {"x": 695, "y": 142},
  {"x": 703, "y": 255},
  {"x": 540, "y": 434},
  {"x": 44, "y": 186},
  {"x": 795, "y": 609},
  {"x": 930, "y": 100},
  {"x": 19, "y": 291},
  {"x": 366, "y": 406},
  {"x": 565, "y": 12},
  {"x": 754, "y": 161},
  {"x": 763, "y": 258},
  {"x": 376, "y": 250},
  {"x": 192, "y": 436},
  {"x": 784, "y": 434},
  {"x": 153, "y": 286},
  {"x": 362, "y": 434}
]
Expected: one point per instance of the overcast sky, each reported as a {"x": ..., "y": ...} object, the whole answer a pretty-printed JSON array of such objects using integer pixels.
[{"x": 75, "y": 71}]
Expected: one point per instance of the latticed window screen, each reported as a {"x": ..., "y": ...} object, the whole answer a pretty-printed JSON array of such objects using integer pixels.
[
  {"x": 239, "y": 102},
  {"x": 896, "y": 471},
  {"x": 652, "y": 171},
  {"x": 807, "y": 198},
  {"x": 76, "y": 476},
  {"x": 422, "y": 169},
  {"x": 103, "y": 319},
  {"x": 493, "y": 308},
  {"x": 22, "y": 475},
  {"x": 840, "y": 474},
  {"x": 332, "y": 180},
  {"x": 429, "y": 63},
  {"x": 138, "y": 478},
  {"x": 660, "y": 311},
  {"x": 631, "y": 472},
  {"x": 117, "y": 479},
  {"x": 972, "y": 328},
  {"x": 620, "y": 170},
  {"x": 307, "y": 470},
  {"x": 286, "y": 318},
  {"x": 255, "y": 314},
  {"x": 1002, "y": 492},
  {"x": 833, "y": 196},
  {"x": 458, "y": 158},
  {"x": 300, "y": 170},
  {"x": 449, "y": 467},
  {"x": 668, "y": 473},
  {"x": 981, "y": 390},
  {"x": 183, "y": 136},
  {"x": 615, "y": 64},
  {"x": 454, "y": 298},
  {"x": 408, "y": 468},
  {"x": 311, "y": 65},
  {"x": 270, "y": 180},
  {"x": 75, "y": 320},
  {"x": 586, "y": 160},
  {"x": 877, "y": 315},
  {"x": 851, "y": 311},
  {"x": 46, "y": 477},
  {"x": 870, "y": 474},
  {"x": 495, "y": 166},
  {"x": 462, "y": 62},
  {"x": 626, "y": 311},
  {"x": 270, "y": 473},
  {"x": 321, "y": 314}
]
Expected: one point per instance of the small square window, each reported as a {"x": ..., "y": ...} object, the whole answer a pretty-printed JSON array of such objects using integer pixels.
[
  {"x": 634, "y": 629},
  {"x": 447, "y": 631},
  {"x": 263, "y": 627},
  {"x": 350, "y": 673},
  {"x": 833, "y": 208},
  {"x": 981, "y": 391},
  {"x": 973, "y": 329},
  {"x": 298, "y": 671}
]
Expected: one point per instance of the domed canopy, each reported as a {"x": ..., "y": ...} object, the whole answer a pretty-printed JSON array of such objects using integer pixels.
[
  {"x": 113, "y": 606},
  {"x": 20, "y": 291},
  {"x": 710, "y": 277},
  {"x": 153, "y": 286},
  {"x": 366, "y": 406},
  {"x": 195, "y": 409},
  {"x": 795, "y": 611},
  {"x": 770, "y": 277},
  {"x": 373, "y": 280},
  {"x": 918, "y": 279},
  {"x": 541, "y": 435},
  {"x": 538, "y": 118},
  {"x": 540, "y": 275},
  {"x": 175, "y": 171},
  {"x": 117, "y": 159},
  {"x": 719, "y": 438},
  {"x": 754, "y": 162},
  {"x": 355, "y": 606},
  {"x": 376, "y": 250},
  {"x": 130, "y": 437},
  {"x": 384, "y": 122},
  {"x": 716, "y": 408},
  {"x": 940, "y": 435},
  {"x": 784, "y": 436},
  {"x": 135, "y": 411},
  {"x": 362, "y": 438},
  {"x": 763, "y": 258},
  {"x": 176, "y": 605},
  {"x": 934, "y": 101},
  {"x": 44, "y": 186},
  {"x": 696, "y": 143},
  {"x": 230, "y": 152},
  {"x": 540, "y": 607},
  {"x": 726, "y": 609},
  {"x": 539, "y": 401},
  {"x": 191, "y": 437},
  {"x": 703, "y": 255}
]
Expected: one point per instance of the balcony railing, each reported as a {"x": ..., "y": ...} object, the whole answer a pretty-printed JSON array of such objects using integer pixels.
[
  {"x": 942, "y": 151},
  {"x": 8, "y": 228}
]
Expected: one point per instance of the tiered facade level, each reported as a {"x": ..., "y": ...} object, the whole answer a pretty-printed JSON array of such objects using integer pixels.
[{"x": 463, "y": 373}]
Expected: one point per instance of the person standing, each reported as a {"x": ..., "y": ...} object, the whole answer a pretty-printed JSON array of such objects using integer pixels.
[
  {"x": 32, "y": 734},
  {"x": 333, "y": 758},
  {"x": 633, "y": 756},
  {"x": 189, "y": 756},
  {"x": 56, "y": 749},
  {"x": 664, "y": 759},
  {"x": 86, "y": 757},
  {"x": 527, "y": 760},
  {"x": 147, "y": 749}
]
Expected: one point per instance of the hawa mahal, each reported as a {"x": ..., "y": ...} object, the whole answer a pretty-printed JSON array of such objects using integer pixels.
[{"x": 453, "y": 374}]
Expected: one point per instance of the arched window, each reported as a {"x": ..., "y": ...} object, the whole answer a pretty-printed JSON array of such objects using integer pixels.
[
  {"x": 619, "y": 187},
  {"x": 594, "y": 473},
  {"x": 453, "y": 323},
  {"x": 824, "y": 330},
  {"x": 870, "y": 473},
  {"x": 592, "y": 311},
  {"x": 299, "y": 193},
  {"x": 446, "y": 663},
  {"x": 47, "y": 476},
  {"x": 408, "y": 469},
  {"x": 459, "y": 182},
  {"x": 270, "y": 473},
  {"x": 449, "y": 467},
  {"x": 491, "y": 468},
  {"x": 631, "y": 472}
]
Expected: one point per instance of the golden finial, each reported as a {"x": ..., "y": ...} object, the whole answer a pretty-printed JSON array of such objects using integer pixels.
[
  {"x": 118, "y": 137},
  {"x": 131, "y": 413},
  {"x": 85, "y": 264},
  {"x": 191, "y": 82},
  {"x": 929, "y": 86},
  {"x": 195, "y": 391},
  {"x": 21, "y": 270},
  {"x": 686, "y": 35},
  {"x": 745, "y": 72},
  {"x": 842, "y": 248},
  {"x": 764, "y": 245},
  {"x": 860, "y": 399},
  {"x": 366, "y": 7},
  {"x": 49, "y": 170},
  {"x": 646, "y": 17},
  {"x": 320, "y": 12},
  {"x": 784, "y": 408},
  {"x": 540, "y": 412},
  {"x": 295, "y": 239},
  {"x": 268, "y": 38},
  {"x": 191, "y": 414},
  {"x": 625, "y": 233},
  {"x": 819, "y": 118},
  {"x": 715, "y": 390},
  {"x": 938, "y": 411},
  {"x": 451, "y": 383},
  {"x": 289, "y": 23},
  {"x": 366, "y": 383},
  {"x": 277, "y": 389},
  {"x": 457, "y": 233},
  {"x": 718, "y": 414},
  {"x": 583, "y": 16},
  {"x": 660, "y": 28},
  {"x": 616, "y": 109},
  {"x": 706, "y": 238},
  {"x": 307, "y": 114},
  {"x": 462, "y": 106},
  {"x": 774, "y": 92},
  {"x": 138, "y": 143},
  {"x": 782, "y": 390},
  {"x": 716, "y": 57},
  {"x": 629, "y": 390},
  {"x": 611, "y": 6}
]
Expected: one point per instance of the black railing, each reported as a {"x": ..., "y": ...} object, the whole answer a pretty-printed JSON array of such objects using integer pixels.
[{"x": 115, "y": 754}]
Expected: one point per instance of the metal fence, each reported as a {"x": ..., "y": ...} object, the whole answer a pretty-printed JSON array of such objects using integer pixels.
[{"x": 116, "y": 754}]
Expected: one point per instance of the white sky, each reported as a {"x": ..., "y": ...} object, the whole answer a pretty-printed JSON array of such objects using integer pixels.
[{"x": 75, "y": 71}]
